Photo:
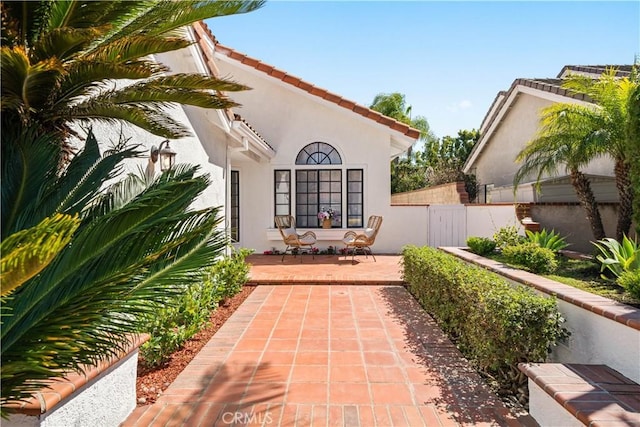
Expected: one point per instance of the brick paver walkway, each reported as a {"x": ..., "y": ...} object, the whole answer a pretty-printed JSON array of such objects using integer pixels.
[
  {"x": 325, "y": 269},
  {"x": 323, "y": 355}
]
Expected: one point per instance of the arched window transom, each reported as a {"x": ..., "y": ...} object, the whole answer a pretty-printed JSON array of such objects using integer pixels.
[{"x": 318, "y": 153}]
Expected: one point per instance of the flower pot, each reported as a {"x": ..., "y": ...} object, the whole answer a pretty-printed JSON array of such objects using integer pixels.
[{"x": 326, "y": 223}]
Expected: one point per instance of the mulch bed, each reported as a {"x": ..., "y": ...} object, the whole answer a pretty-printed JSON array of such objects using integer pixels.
[{"x": 151, "y": 382}]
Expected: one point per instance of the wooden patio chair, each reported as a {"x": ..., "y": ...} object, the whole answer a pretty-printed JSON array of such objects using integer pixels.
[
  {"x": 362, "y": 242},
  {"x": 296, "y": 243}
]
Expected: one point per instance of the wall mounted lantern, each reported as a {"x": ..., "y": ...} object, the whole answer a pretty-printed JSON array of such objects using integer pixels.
[{"x": 165, "y": 154}]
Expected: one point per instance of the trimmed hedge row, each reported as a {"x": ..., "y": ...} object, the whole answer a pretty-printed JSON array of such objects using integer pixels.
[{"x": 495, "y": 325}]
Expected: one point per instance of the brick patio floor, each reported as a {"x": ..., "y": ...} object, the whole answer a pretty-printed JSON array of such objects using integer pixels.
[{"x": 324, "y": 355}]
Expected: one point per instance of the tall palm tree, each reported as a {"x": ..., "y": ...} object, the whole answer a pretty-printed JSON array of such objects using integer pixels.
[
  {"x": 581, "y": 133},
  {"x": 608, "y": 134},
  {"x": 134, "y": 246},
  {"x": 633, "y": 149},
  {"x": 60, "y": 60},
  {"x": 558, "y": 143}
]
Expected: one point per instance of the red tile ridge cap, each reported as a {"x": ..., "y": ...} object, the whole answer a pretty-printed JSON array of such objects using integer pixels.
[{"x": 202, "y": 29}]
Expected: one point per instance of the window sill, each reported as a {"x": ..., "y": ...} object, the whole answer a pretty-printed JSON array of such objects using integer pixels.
[{"x": 325, "y": 234}]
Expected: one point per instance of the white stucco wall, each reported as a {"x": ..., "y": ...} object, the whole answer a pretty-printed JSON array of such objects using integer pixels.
[
  {"x": 485, "y": 220},
  {"x": 105, "y": 401},
  {"x": 598, "y": 340},
  {"x": 289, "y": 119},
  {"x": 546, "y": 411}
]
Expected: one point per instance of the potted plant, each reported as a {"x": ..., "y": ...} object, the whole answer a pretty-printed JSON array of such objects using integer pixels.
[{"x": 326, "y": 216}]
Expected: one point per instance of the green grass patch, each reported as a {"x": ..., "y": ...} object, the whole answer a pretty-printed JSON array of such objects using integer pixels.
[{"x": 581, "y": 274}]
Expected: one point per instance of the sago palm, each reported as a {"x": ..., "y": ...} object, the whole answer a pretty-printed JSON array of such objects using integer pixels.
[
  {"x": 27, "y": 252},
  {"x": 133, "y": 246},
  {"x": 561, "y": 143},
  {"x": 61, "y": 59}
]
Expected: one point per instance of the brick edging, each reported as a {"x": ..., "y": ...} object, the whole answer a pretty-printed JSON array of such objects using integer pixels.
[
  {"x": 58, "y": 389},
  {"x": 591, "y": 393}
]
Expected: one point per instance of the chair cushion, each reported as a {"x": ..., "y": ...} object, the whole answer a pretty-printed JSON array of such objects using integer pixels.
[
  {"x": 289, "y": 231},
  {"x": 369, "y": 232},
  {"x": 307, "y": 240},
  {"x": 348, "y": 240}
]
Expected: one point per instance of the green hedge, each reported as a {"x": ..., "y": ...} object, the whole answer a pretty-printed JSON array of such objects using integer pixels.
[
  {"x": 173, "y": 323},
  {"x": 481, "y": 245},
  {"x": 495, "y": 325},
  {"x": 533, "y": 257}
]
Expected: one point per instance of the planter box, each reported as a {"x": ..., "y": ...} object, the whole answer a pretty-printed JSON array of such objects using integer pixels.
[
  {"x": 603, "y": 331},
  {"x": 104, "y": 396}
]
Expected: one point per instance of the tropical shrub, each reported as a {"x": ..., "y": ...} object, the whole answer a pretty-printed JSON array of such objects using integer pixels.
[
  {"x": 532, "y": 256},
  {"x": 507, "y": 236},
  {"x": 481, "y": 245},
  {"x": 618, "y": 257},
  {"x": 134, "y": 246},
  {"x": 547, "y": 239},
  {"x": 495, "y": 325},
  {"x": 630, "y": 281},
  {"x": 179, "y": 319},
  {"x": 230, "y": 273}
]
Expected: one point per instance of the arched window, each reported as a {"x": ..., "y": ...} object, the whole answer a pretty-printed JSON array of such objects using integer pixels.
[
  {"x": 318, "y": 153},
  {"x": 307, "y": 191}
]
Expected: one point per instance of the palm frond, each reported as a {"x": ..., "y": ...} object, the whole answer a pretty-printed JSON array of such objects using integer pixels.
[
  {"x": 87, "y": 14},
  {"x": 87, "y": 78},
  {"x": 129, "y": 48},
  {"x": 166, "y": 16},
  {"x": 64, "y": 42},
  {"x": 27, "y": 252},
  {"x": 25, "y": 20},
  {"x": 26, "y": 86},
  {"x": 153, "y": 120},
  {"x": 29, "y": 165},
  {"x": 119, "y": 263},
  {"x": 34, "y": 187},
  {"x": 85, "y": 175},
  {"x": 195, "y": 81}
]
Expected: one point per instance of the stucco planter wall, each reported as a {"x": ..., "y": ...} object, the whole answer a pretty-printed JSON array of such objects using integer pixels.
[
  {"x": 104, "y": 396},
  {"x": 603, "y": 331}
]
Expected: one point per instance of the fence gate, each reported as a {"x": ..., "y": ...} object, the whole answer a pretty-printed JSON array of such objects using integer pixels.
[{"x": 447, "y": 225}]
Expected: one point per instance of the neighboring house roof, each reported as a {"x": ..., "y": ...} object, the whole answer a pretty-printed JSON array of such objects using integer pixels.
[
  {"x": 206, "y": 37},
  {"x": 548, "y": 88},
  {"x": 621, "y": 70}
]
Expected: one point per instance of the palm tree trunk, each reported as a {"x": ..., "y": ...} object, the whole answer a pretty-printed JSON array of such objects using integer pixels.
[
  {"x": 625, "y": 193},
  {"x": 588, "y": 201}
]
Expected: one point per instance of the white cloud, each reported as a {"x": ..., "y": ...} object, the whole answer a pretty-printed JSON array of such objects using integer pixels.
[{"x": 462, "y": 105}]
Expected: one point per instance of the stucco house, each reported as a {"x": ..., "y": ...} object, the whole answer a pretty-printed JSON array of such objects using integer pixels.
[
  {"x": 512, "y": 121},
  {"x": 290, "y": 148}
]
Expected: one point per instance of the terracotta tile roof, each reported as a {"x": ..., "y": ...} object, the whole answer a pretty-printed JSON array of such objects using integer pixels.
[
  {"x": 239, "y": 118},
  {"x": 621, "y": 70},
  {"x": 203, "y": 33}
]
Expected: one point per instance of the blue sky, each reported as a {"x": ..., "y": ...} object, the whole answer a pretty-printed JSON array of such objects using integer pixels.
[{"x": 449, "y": 59}]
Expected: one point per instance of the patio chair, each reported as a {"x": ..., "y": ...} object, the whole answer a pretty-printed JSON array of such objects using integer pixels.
[
  {"x": 362, "y": 242},
  {"x": 295, "y": 242}
]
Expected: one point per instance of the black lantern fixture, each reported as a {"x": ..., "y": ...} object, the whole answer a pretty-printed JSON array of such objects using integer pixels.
[{"x": 166, "y": 156}]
